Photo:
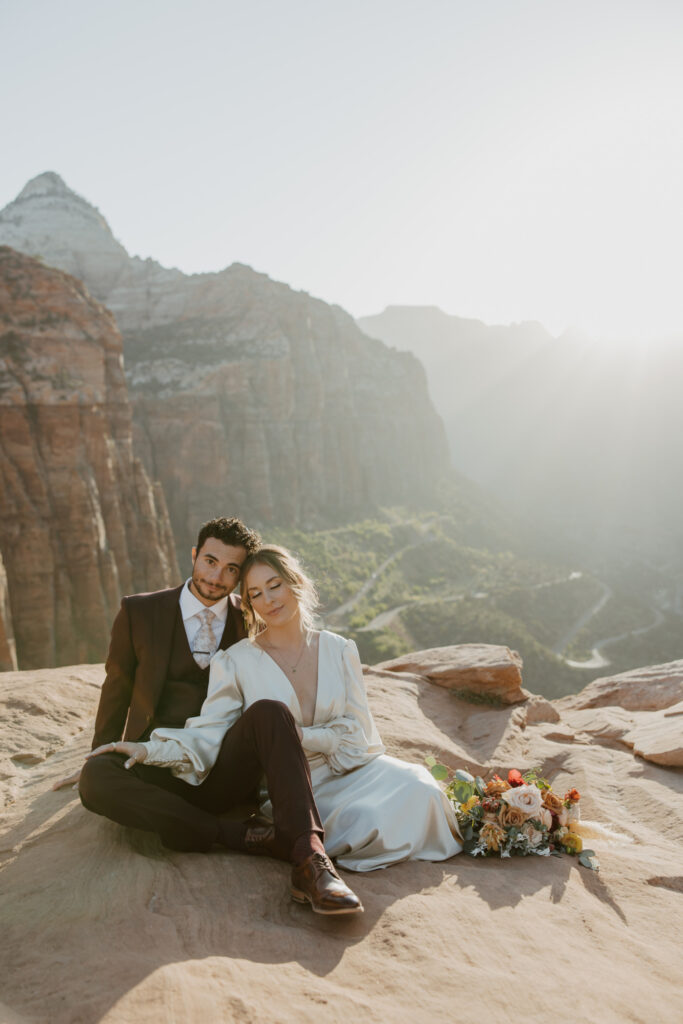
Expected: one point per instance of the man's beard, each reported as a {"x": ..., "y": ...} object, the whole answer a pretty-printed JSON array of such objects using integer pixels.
[{"x": 204, "y": 590}]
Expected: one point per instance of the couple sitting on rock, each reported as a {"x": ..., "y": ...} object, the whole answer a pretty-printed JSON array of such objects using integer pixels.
[{"x": 210, "y": 702}]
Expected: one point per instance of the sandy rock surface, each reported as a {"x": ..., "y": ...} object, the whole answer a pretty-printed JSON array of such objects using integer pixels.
[{"x": 103, "y": 924}]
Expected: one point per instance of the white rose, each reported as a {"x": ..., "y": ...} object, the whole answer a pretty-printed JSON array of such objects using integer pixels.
[
  {"x": 533, "y": 836},
  {"x": 527, "y": 798},
  {"x": 563, "y": 817}
]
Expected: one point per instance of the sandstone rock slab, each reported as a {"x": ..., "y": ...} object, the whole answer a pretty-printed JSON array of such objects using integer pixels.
[
  {"x": 480, "y": 670},
  {"x": 642, "y": 689},
  {"x": 659, "y": 738}
]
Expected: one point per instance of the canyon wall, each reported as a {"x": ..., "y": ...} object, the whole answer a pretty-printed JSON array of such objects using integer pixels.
[
  {"x": 249, "y": 398},
  {"x": 8, "y": 651},
  {"x": 80, "y": 522}
]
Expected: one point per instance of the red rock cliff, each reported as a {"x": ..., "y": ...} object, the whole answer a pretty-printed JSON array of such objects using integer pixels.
[
  {"x": 249, "y": 398},
  {"x": 80, "y": 522}
]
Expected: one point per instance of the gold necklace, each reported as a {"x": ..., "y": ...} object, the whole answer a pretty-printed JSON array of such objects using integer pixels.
[{"x": 292, "y": 668}]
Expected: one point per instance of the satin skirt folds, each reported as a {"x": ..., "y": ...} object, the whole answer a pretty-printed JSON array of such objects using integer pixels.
[{"x": 383, "y": 812}]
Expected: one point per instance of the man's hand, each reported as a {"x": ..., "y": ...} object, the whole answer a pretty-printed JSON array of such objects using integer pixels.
[
  {"x": 70, "y": 780},
  {"x": 135, "y": 752}
]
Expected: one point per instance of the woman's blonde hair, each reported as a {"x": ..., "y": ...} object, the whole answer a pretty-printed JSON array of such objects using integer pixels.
[{"x": 287, "y": 567}]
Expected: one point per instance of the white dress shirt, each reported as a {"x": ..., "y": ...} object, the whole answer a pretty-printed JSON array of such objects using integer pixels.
[{"x": 190, "y": 608}]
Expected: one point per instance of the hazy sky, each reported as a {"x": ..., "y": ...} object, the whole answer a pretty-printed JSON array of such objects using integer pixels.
[{"x": 503, "y": 159}]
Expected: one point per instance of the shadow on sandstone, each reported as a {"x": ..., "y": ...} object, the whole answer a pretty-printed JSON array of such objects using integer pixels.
[
  {"x": 476, "y": 729},
  {"x": 80, "y": 890}
]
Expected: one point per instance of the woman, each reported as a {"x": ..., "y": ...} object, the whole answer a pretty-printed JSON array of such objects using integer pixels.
[{"x": 376, "y": 809}]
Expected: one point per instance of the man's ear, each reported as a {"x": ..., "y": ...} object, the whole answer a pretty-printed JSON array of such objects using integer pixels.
[{"x": 194, "y": 555}]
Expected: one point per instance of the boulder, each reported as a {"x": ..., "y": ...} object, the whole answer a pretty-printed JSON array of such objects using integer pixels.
[{"x": 478, "y": 671}]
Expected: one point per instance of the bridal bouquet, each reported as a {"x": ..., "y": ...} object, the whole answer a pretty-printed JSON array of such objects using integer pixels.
[{"x": 518, "y": 816}]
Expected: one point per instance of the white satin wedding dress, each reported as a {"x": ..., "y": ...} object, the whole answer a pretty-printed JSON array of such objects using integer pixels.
[{"x": 376, "y": 809}]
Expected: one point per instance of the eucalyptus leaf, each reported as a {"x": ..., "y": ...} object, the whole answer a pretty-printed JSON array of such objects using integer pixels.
[
  {"x": 588, "y": 859},
  {"x": 462, "y": 791},
  {"x": 481, "y": 787},
  {"x": 439, "y": 771},
  {"x": 463, "y": 776},
  {"x": 430, "y": 761}
]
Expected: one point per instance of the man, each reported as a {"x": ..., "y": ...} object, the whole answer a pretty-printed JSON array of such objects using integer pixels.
[{"x": 157, "y": 673}]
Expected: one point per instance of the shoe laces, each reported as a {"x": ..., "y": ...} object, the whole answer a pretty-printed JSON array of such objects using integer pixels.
[{"x": 323, "y": 863}]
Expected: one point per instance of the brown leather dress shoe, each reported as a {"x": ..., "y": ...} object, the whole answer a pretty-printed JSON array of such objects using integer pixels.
[{"x": 316, "y": 881}]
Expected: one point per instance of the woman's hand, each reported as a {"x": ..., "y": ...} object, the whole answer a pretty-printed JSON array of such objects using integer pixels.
[{"x": 136, "y": 752}]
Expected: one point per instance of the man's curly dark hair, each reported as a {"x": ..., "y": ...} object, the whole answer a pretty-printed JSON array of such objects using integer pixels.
[{"x": 230, "y": 531}]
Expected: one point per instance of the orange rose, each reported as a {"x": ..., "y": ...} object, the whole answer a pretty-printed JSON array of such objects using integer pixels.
[
  {"x": 496, "y": 786},
  {"x": 573, "y": 796},
  {"x": 553, "y": 802},
  {"x": 511, "y": 816}
]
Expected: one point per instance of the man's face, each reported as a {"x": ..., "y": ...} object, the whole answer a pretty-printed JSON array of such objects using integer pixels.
[{"x": 215, "y": 570}]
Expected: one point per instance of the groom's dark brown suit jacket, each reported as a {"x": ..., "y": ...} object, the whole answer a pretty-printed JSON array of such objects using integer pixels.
[{"x": 138, "y": 659}]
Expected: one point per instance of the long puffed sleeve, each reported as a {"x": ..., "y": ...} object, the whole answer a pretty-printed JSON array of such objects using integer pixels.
[
  {"x": 191, "y": 752},
  {"x": 351, "y": 739}
]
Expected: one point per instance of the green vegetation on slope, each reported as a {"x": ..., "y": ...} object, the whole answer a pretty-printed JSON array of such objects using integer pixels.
[
  {"x": 466, "y": 574},
  {"x": 434, "y": 590}
]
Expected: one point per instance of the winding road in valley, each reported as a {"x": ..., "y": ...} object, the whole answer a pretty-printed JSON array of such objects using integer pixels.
[
  {"x": 340, "y": 613},
  {"x": 338, "y": 616},
  {"x": 598, "y": 659}
]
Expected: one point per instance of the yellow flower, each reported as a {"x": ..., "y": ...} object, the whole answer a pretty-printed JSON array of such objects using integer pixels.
[
  {"x": 572, "y": 843},
  {"x": 470, "y": 803}
]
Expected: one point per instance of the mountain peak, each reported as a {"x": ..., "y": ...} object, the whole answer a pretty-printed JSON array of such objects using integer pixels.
[
  {"x": 46, "y": 184},
  {"x": 50, "y": 220}
]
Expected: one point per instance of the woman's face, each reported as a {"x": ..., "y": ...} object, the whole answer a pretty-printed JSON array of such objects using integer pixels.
[{"x": 271, "y": 598}]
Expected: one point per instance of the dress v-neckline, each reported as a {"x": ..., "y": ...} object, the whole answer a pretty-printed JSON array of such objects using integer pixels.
[{"x": 289, "y": 682}]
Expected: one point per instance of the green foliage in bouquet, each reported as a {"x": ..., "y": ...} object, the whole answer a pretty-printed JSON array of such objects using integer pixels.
[{"x": 515, "y": 817}]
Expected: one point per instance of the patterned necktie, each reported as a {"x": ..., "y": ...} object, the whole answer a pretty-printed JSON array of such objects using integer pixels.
[{"x": 205, "y": 645}]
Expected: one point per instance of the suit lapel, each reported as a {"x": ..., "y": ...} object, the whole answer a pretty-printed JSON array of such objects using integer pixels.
[{"x": 160, "y": 638}]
